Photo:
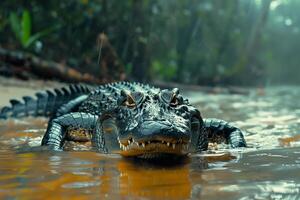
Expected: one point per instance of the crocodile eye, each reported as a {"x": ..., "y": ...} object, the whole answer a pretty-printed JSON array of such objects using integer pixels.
[
  {"x": 127, "y": 99},
  {"x": 174, "y": 101},
  {"x": 169, "y": 97},
  {"x": 129, "y": 102}
]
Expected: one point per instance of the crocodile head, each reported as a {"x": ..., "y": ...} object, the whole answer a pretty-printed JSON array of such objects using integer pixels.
[{"x": 149, "y": 125}]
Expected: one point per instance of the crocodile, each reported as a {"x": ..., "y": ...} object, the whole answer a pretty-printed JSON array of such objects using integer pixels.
[{"x": 131, "y": 119}]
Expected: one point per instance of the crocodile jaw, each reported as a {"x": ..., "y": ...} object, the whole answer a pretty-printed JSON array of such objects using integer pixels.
[{"x": 152, "y": 148}]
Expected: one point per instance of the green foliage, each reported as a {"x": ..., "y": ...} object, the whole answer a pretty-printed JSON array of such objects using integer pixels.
[
  {"x": 15, "y": 25},
  {"x": 3, "y": 22},
  {"x": 21, "y": 27},
  {"x": 128, "y": 68},
  {"x": 25, "y": 28},
  {"x": 164, "y": 71},
  {"x": 190, "y": 41}
]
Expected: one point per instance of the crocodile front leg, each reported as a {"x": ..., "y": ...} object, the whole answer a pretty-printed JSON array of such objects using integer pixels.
[
  {"x": 220, "y": 130},
  {"x": 56, "y": 133}
]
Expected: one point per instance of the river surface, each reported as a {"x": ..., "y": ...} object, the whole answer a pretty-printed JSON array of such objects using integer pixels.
[{"x": 268, "y": 169}]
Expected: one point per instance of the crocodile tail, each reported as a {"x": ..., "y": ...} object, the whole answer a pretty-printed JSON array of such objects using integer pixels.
[{"x": 45, "y": 104}]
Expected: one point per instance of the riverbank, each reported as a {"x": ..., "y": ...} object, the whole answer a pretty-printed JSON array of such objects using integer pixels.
[{"x": 16, "y": 89}]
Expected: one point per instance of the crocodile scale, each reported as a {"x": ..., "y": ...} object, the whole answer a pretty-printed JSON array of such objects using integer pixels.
[{"x": 131, "y": 119}]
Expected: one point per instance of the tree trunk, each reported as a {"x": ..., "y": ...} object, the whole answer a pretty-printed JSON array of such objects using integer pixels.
[
  {"x": 185, "y": 32},
  {"x": 48, "y": 69},
  {"x": 111, "y": 68},
  {"x": 253, "y": 41},
  {"x": 140, "y": 60}
]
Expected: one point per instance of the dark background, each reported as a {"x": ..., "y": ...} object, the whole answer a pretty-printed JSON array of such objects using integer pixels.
[{"x": 207, "y": 42}]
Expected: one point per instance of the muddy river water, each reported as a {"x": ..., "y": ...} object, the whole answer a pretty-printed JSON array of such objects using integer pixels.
[{"x": 268, "y": 169}]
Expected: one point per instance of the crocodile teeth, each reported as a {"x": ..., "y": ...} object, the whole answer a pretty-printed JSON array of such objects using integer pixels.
[
  {"x": 162, "y": 142},
  {"x": 137, "y": 143},
  {"x": 173, "y": 145},
  {"x": 143, "y": 144},
  {"x": 149, "y": 142},
  {"x": 168, "y": 144},
  {"x": 129, "y": 141}
]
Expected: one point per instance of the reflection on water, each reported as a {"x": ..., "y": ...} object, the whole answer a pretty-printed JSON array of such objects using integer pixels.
[
  {"x": 267, "y": 117},
  {"x": 268, "y": 170}
]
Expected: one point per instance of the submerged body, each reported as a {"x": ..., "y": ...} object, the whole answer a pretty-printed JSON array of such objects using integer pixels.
[{"x": 131, "y": 119}]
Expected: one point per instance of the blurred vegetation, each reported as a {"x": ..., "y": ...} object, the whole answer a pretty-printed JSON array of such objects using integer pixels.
[
  {"x": 241, "y": 42},
  {"x": 22, "y": 29}
]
